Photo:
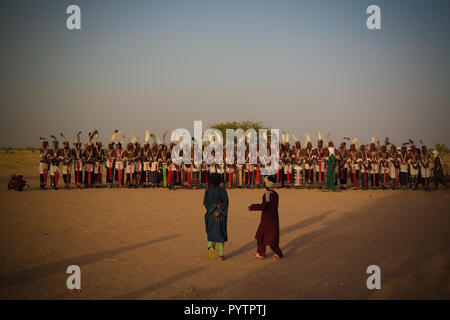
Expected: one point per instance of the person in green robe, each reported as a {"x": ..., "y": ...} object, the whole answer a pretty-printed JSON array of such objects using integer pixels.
[
  {"x": 216, "y": 204},
  {"x": 331, "y": 170}
]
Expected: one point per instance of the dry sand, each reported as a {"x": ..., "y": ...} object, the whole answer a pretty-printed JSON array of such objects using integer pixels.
[{"x": 151, "y": 244}]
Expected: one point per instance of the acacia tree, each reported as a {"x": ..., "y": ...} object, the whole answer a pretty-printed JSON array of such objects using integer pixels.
[
  {"x": 244, "y": 125},
  {"x": 441, "y": 148}
]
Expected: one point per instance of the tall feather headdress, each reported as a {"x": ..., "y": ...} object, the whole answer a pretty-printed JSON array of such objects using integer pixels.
[
  {"x": 319, "y": 136},
  {"x": 147, "y": 136},
  {"x": 373, "y": 139},
  {"x": 307, "y": 138},
  {"x": 114, "y": 136},
  {"x": 288, "y": 135},
  {"x": 158, "y": 141},
  {"x": 78, "y": 138},
  {"x": 95, "y": 135}
]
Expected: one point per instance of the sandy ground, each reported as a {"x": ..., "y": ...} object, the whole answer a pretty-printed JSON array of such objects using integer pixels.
[{"x": 151, "y": 244}]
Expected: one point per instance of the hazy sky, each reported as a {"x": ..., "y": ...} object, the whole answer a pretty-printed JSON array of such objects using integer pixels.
[{"x": 299, "y": 65}]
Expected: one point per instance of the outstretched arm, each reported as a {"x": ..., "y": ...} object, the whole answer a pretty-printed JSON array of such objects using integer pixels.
[{"x": 259, "y": 206}]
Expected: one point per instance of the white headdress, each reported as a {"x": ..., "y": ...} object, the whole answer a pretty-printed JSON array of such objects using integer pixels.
[
  {"x": 307, "y": 138},
  {"x": 319, "y": 136},
  {"x": 78, "y": 138},
  {"x": 147, "y": 136},
  {"x": 158, "y": 141},
  {"x": 114, "y": 136}
]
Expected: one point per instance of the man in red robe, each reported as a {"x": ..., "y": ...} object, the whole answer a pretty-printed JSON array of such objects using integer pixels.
[{"x": 268, "y": 233}]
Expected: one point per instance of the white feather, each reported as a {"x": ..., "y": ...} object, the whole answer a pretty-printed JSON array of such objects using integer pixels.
[
  {"x": 157, "y": 139},
  {"x": 308, "y": 137},
  {"x": 319, "y": 135}
]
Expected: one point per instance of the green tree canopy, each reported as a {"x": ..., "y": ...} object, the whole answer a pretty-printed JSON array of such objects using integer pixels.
[
  {"x": 244, "y": 125},
  {"x": 441, "y": 148}
]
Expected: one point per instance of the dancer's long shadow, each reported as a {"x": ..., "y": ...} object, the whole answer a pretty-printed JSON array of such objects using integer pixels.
[
  {"x": 159, "y": 284},
  {"x": 284, "y": 231},
  {"x": 49, "y": 269}
]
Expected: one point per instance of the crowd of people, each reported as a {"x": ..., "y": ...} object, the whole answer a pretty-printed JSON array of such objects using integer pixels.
[{"x": 150, "y": 165}]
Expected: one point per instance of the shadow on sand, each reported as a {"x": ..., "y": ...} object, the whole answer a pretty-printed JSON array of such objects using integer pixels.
[
  {"x": 302, "y": 224},
  {"x": 49, "y": 269}
]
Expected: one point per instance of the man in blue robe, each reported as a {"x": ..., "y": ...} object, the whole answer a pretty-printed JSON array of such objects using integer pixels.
[{"x": 216, "y": 204}]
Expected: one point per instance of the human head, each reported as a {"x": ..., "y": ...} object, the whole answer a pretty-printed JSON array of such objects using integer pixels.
[
  {"x": 215, "y": 179},
  {"x": 268, "y": 182}
]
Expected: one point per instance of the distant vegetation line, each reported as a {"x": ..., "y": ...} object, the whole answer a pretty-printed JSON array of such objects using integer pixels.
[{"x": 12, "y": 149}]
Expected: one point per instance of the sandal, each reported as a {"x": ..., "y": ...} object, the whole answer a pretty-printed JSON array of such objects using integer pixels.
[{"x": 212, "y": 253}]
